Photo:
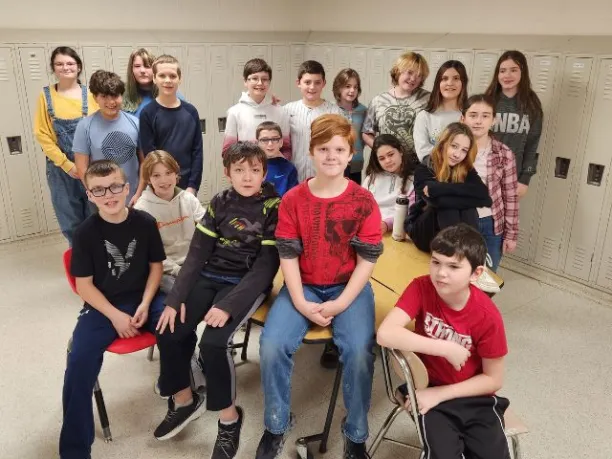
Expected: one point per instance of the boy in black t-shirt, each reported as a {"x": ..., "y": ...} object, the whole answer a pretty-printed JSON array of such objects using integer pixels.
[
  {"x": 231, "y": 261},
  {"x": 117, "y": 257}
]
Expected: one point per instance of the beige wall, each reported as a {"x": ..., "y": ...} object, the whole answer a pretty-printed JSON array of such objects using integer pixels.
[{"x": 554, "y": 17}]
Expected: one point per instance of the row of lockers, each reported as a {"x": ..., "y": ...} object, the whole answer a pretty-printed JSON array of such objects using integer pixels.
[{"x": 564, "y": 218}]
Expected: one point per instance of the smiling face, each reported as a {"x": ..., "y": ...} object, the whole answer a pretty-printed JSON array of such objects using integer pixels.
[
  {"x": 311, "y": 85},
  {"x": 143, "y": 74},
  {"x": 331, "y": 158},
  {"x": 257, "y": 85},
  {"x": 350, "y": 91},
  {"x": 450, "y": 275},
  {"x": 450, "y": 84},
  {"x": 270, "y": 142},
  {"x": 167, "y": 79},
  {"x": 65, "y": 67},
  {"x": 389, "y": 158},
  {"x": 112, "y": 191},
  {"x": 409, "y": 80},
  {"x": 457, "y": 149},
  {"x": 479, "y": 117},
  {"x": 110, "y": 105},
  {"x": 246, "y": 176},
  {"x": 163, "y": 181},
  {"x": 509, "y": 75}
]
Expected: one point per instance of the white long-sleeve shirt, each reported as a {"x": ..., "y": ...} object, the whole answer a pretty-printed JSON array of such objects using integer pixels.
[
  {"x": 386, "y": 187},
  {"x": 427, "y": 128}
]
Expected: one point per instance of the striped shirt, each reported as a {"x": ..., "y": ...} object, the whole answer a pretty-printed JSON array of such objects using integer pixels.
[{"x": 300, "y": 118}]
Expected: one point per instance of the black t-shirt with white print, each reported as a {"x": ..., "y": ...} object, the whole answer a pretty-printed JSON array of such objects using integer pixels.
[{"x": 117, "y": 255}]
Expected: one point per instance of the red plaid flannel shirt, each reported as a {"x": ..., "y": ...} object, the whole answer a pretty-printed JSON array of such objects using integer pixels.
[{"x": 502, "y": 184}]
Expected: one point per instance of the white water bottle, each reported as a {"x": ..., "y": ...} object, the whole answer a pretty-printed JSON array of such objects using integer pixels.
[{"x": 401, "y": 209}]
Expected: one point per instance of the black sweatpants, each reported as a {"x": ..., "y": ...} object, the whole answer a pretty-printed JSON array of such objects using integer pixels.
[
  {"x": 433, "y": 220},
  {"x": 470, "y": 428},
  {"x": 176, "y": 348}
]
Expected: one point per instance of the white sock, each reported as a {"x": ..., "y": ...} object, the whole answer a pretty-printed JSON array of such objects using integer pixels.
[
  {"x": 182, "y": 405},
  {"x": 229, "y": 423}
]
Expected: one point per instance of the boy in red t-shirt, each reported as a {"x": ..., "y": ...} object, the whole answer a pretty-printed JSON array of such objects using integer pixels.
[
  {"x": 328, "y": 238},
  {"x": 459, "y": 335}
]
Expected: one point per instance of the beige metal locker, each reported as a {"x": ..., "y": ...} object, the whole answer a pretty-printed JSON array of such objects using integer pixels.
[
  {"x": 298, "y": 55},
  {"x": 240, "y": 55},
  {"x": 543, "y": 71},
  {"x": 222, "y": 97},
  {"x": 436, "y": 59},
  {"x": 342, "y": 59},
  {"x": 199, "y": 88},
  {"x": 467, "y": 59},
  {"x": 603, "y": 276},
  {"x": 324, "y": 54},
  {"x": 482, "y": 71},
  {"x": 95, "y": 58},
  {"x": 261, "y": 52},
  {"x": 120, "y": 56},
  {"x": 282, "y": 78},
  {"x": 23, "y": 185},
  {"x": 564, "y": 162},
  {"x": 593, "y": 178},
  {"x": 376, "y": 80},
  {"x": 35, "y": 75},
  {"x": 359, "y": 62}
]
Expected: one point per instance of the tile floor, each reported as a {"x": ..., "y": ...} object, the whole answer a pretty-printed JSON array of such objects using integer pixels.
[{"x": 558, "y": 372}]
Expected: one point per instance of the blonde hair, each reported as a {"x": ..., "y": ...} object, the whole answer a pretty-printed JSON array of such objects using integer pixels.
[
  {"x": 325, "y": 127},
  {"x": 166, "y": 59},
  {"x": 131, "y": 96},
  {"x": 158, "y": 157},
  {"x": 444, "y": 172},
  {"x": 409, "y": 61}
]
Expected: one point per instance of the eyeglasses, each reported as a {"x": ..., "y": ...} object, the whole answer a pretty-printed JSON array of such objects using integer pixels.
[
  {"x": 265, "y": 140},
  {"x": 258, "y": 80},
  {"x": 64, "y": 64},
  {"x": 100, "y": 191}
]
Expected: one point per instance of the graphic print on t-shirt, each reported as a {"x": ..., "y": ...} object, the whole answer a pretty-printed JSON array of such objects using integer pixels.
[
  {"x": 398, "y": 121},
  {"x": 438, "y": 329},
  {"x": 119, "y": 147},
  {"x": 118, "y": 263}
]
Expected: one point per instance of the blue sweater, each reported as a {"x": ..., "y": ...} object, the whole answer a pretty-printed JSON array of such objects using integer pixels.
[
  {"x": 177, "y": 131},
  {"x": 282, "y": 174}
]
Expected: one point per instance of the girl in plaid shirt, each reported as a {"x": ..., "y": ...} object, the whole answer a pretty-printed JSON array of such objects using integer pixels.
[{"x": 496, "y": 167}]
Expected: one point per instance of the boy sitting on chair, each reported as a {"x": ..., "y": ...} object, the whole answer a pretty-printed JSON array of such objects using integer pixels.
[
  {"x": 232, "y": 260},
  {"x": 117, "y": 256},
  {"x": 459, "y": 335}
]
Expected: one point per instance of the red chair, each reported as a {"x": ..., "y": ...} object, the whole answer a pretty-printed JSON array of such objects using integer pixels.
[{"x": 119, "y": 346}]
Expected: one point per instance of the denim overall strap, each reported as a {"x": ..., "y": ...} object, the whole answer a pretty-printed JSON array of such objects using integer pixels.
[
  {"x": 84, "y": 109},
  {"x": 50, "y": 110}
]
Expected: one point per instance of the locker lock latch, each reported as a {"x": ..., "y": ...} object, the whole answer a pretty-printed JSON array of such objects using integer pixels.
[
  {"x": 595, "y": 174},
  {"x": 222, "y": 122},
  {"x": 14, "y": 145},
  {"x": 203, "y": 125},
  {"x": 561, "y": 167}
]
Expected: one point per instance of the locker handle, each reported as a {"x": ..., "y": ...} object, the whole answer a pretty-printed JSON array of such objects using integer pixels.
[
  {"x": 221, "y": 123},
  {"x": 14, "y": 145},
  {"x": 595, "y": 174},
  {"x": 203, "y": 125},
  {"x": 562, "y": 167}
]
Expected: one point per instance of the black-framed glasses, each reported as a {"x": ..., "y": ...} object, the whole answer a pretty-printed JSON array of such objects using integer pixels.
[
  {"x": 100, "y": 191},
  {"x": 266, "y": 140}
]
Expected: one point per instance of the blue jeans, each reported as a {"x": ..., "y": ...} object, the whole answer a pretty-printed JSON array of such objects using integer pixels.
[
  {"x": 353, "y": 333},
  {"x": 92, "y": 335},
  {"x": 493, "y": 241}
]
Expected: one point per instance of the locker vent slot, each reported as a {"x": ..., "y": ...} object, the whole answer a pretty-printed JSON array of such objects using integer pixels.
[
  {"x": 561, "y": 167},
  {"x": 607, "y": 89},
  {"x": 4, "y": 74},
  {"x": 595, "y": 174},
  {"x": 608, "y": 269},
  {"x": 34, "y": 66},
  {"x": 542, "y": 80},
  {"x": 579, "y": 259},
  {"x": 27, "y": 218},
  {"x": 576, "y": 84},
  {"x": 549, "y": 246}
]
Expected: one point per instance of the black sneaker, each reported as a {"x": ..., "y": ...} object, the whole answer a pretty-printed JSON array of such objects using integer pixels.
[
  {"x": 271, "y": 445},
  {"x": 353, "y": 450},
  {"x": 228, "y": 439},
  {"x": 177, "y": 418},
  {"x": 329, "y": 358}
]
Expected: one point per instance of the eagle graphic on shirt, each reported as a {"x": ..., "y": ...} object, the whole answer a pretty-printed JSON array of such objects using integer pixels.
[{"x": 118, "y": 263}]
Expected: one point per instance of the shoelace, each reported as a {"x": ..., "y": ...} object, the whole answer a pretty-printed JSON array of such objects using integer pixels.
[{"x": 170, "y": 414}]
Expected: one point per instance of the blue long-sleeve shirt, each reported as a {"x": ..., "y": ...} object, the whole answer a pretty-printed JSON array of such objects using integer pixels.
[
  {"x": 282, "y": 174},
  {"x": 177, "y": 131}
]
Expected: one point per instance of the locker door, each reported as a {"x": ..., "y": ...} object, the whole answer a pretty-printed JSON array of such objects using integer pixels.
[
  {"x": 35, "y": 71},
  {"x": 198, "y": 85},
  {"x": 593, "y": 179},
  {"x": 561, "y": 170},
  {"x": 282, "y": 78},
  {"x": 298, "y": 55},
  {"x": 261, "y": 52},
  {"x": 222, "y": 98},
  {"x": 22, "y": 183},
  {"x": 467, "y": 59},
  {"x": 543, "y": 70},
  {"x": 359, "y": 62},
  {"x": 240, "y": 55},
  {"x": 482, "y": 71},
  {"x": 604, "y": 274},
  {"x": 342, "y": 58},
  {"x": 5, "y": 229},
  {"x": 436, "y": 59},
  {"x": 376, "y": 79},
  {"x": 95, "y": 58},
  {"x": 120, "y": 56}
]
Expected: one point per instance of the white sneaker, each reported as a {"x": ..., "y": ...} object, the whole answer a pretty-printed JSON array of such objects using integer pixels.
[{"x": 486, "y": 283}]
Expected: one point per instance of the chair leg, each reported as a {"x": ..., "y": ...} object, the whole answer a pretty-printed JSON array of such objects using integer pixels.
[
  {"x": 150, "y": 353},
  {"x": 384, "y": 429},
  {"x": 102, "y": 413},
  {"x": 245, "y": 343},
  {"x": 330, "y": 411}
]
